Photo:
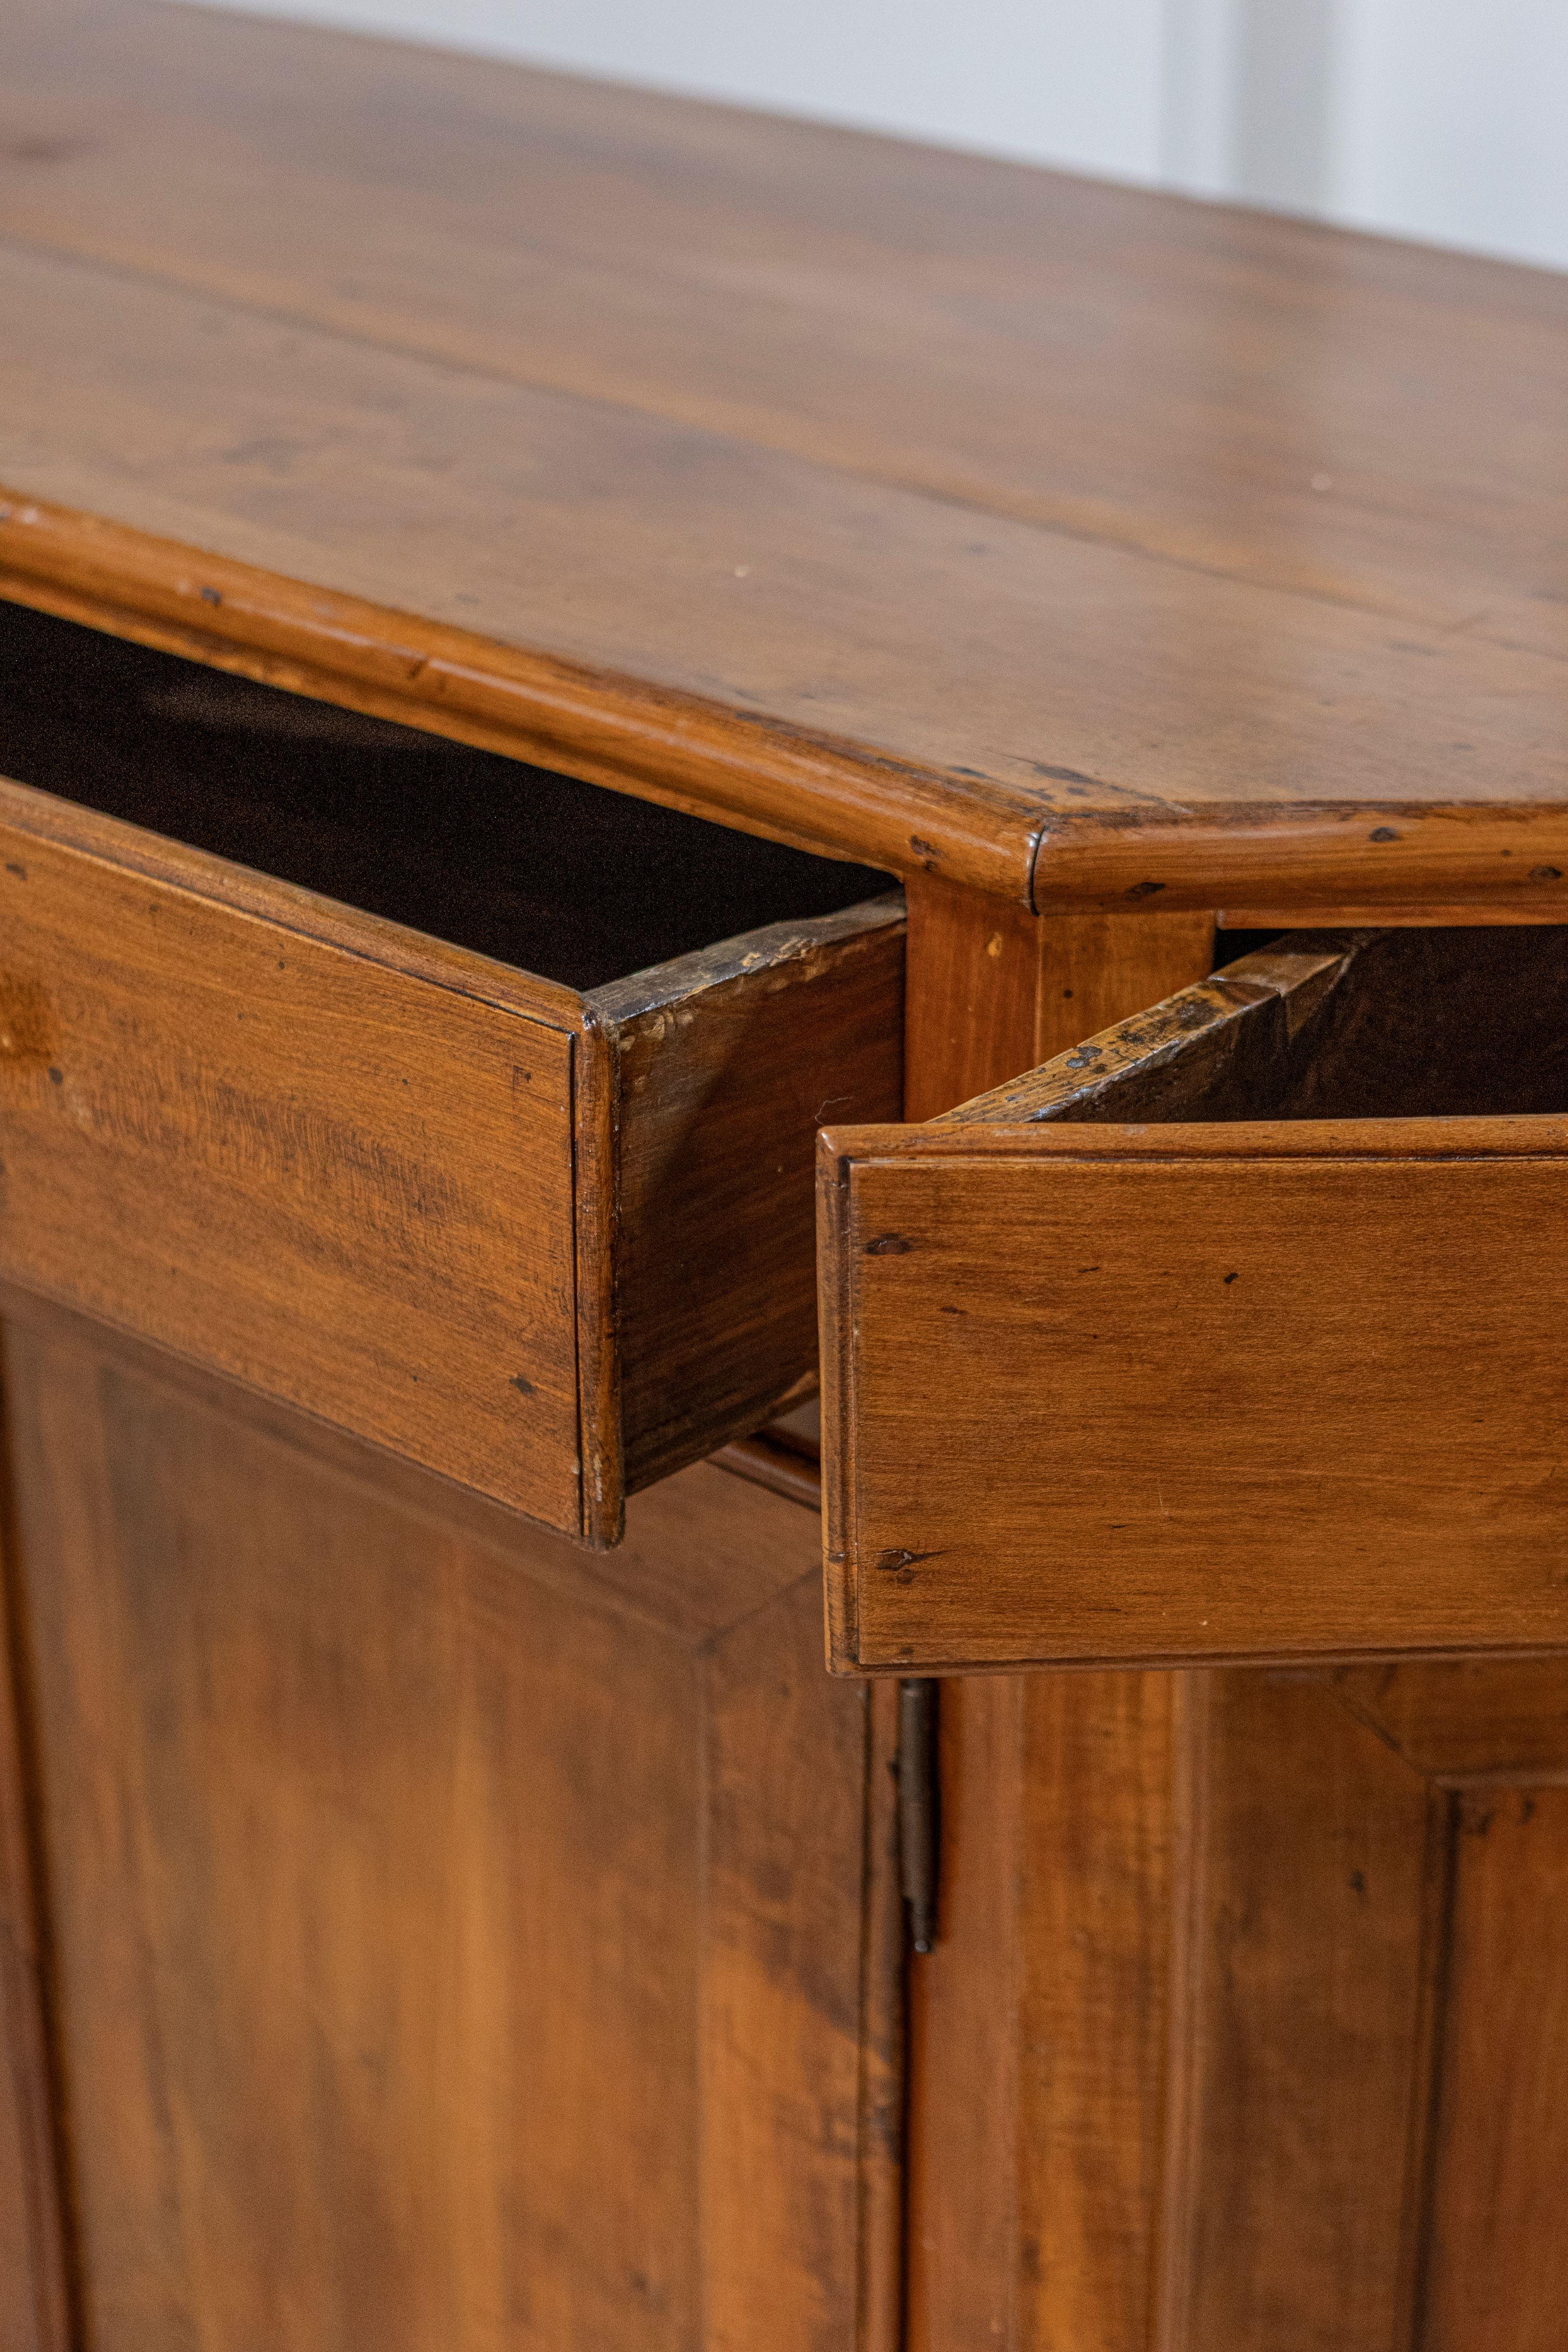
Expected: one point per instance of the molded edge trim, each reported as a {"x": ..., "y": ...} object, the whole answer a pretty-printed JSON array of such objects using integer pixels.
[{"x": 817, "y": 793}]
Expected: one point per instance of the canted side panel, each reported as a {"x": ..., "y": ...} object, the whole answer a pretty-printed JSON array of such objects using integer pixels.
[
  {"x": 1313, "y": 1929},
  {"x": 1150, "y": 1409},
  {"x": 1377, "y": 2015},
  {"x": 1487, "y": 2256},
  {"x": 1495, "y": 2274},
  {"x": 346, "y": 1186}
]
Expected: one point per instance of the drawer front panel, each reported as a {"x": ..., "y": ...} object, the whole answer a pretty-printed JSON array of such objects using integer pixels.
[
  {"x": 341, "y": 1183},
  {"x": 1236, "y": 1392}
]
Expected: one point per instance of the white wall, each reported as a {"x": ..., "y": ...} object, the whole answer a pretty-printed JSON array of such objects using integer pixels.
[
  {"x": 1451, "y": 122},
  {"x": 1438, "y": 119}
]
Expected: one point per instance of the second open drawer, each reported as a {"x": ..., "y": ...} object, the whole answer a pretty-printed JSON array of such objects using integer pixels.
[{"x": 1239, "y": 1332}]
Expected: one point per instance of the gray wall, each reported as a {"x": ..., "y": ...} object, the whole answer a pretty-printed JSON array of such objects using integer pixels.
[{"x": 1445, "y": 119}]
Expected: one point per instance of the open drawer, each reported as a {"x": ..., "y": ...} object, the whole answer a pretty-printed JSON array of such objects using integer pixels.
[
  {"x": 412, "y": 1089},
  {"x": 1239, "y": 1332}
]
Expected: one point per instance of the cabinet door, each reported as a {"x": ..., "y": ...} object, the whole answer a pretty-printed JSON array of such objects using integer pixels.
[
  {"x": 458, "y": 1940},
  {"x": 1234, "y": 1334}
]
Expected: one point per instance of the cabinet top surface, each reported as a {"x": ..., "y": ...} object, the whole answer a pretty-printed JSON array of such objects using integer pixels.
[{"x": 1077, "y": 543}]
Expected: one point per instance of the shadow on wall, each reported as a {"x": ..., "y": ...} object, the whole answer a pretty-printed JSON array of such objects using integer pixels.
[
  {"x": 1285, "y": 64},
  {"x": 1249, "y": 100}
]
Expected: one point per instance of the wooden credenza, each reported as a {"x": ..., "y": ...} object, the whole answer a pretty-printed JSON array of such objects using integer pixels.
[{"x": 652, "y": 762}]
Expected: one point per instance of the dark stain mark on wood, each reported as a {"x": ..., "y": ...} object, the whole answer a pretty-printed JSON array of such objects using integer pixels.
[
  {"x": 1064, "y": 775},
  {"x": 1382, "y": 833},
  {"x": 1144, "y": 889},
  {"x": 888, "y": 1245},
  {"x": 523, "y": 1387},
  {"x": 902, "y": 1564}
]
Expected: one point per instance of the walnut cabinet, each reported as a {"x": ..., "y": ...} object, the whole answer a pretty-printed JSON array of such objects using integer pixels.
[{"x": 567, "y": 659}]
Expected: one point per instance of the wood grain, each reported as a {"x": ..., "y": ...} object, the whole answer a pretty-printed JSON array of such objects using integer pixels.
[
  {"x": 1370, "y": 2014},
  {"x": 1417, "y": 1026},
  {"x": 1305, "y": 2029},
  {"x": 1412, "y": 913},
  {"x": 1429, "y": 1023},
  {"x": 725, "y": 1065},
  {"x": 333, "y": 1181},
  {"x": 798, "y": 784},
  {"x": 1497, "y": 2279},
  {"x": 882, "y": 2309},
  {"x": 1191, "y": 346},
  {"x": 534, "y": 869},
  {"x": 34, "y": 2279},
  {"x": 779, "y": 1467},
  {"x": 1100, "y": 1940},
  {"x": 1176, "y": 2056},
  {"x": 801, "y": 2224},
  {"x": 1186, "y": 1411},
  {"x": 1491, "y": 1741},
  {"x": 425, "y": 1196},
  {"x": 1043, "y": 2023},
  {"x": 488, "y": 386},
  {"x": 1469, "y": 1719},
  {"x": 452, "y": 1946},
  {"x": 1001, "y": 992}
]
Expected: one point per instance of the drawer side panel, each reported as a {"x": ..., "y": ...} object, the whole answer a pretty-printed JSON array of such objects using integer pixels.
[{"x": 722, "y": 1089}]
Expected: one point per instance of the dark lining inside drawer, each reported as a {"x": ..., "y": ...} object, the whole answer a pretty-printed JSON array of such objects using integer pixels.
[
  {"x": 1447, "y": 1022},
  {"x": 565, "y": 879},
  {"x": 1441, "y": 1023}
]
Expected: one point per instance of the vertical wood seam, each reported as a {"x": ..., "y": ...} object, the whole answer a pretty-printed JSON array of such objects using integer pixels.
[
  {"x": 58, "y": 2316},
  {"x": 1014, "y": 2012},
  {"x": 705, "y": 1669},
  {"x": 882, "y": 2124},
  {"x": 1192, "y": 1698},
  {"x": 1421, "y": 2162}
]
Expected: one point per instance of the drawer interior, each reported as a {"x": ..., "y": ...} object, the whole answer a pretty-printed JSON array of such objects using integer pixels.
[
  {"x": 565, "y": 879},
  {"x": 1443, "y": 1023},
  {"x": 542, "y": 1221}
]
